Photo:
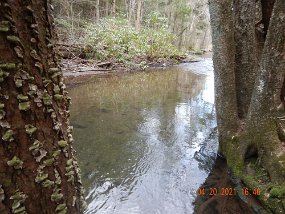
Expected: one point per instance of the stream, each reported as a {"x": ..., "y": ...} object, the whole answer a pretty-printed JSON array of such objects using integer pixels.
[{"x": 146, "y": 141}]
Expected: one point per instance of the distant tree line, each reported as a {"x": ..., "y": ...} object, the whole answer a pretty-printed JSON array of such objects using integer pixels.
[{"x": 188, "y": 20}]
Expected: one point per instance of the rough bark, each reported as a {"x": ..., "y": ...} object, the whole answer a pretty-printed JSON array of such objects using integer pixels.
[
  {"x": 281, "y": 92},
  {"x": 223, "y": 58},
  {"x": 259, "y": 35},
  {"x": 262, "y": 108},
  {"x": 257, "y": 142},
  {"x": 245, "y": 58},
  {"x": 38, "y": 170},
  {"x": 264, "y": 12},
  {"x": 270, "y": 69},
  {"x": 267, "y": 7}
]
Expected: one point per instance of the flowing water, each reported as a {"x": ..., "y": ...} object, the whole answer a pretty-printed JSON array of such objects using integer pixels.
[{"x": 146, "y": 141}]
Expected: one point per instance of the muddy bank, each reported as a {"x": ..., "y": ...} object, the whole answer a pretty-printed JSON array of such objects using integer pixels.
[{"x": 77, "y": 70}]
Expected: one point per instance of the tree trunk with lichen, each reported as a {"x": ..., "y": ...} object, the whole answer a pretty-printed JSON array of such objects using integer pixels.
[
  {"x": 223, "y": 58},
  {"x": 262, "y": 111},
  {"x": 38, "y": 170},
  {"x": 256, "y": 147},
  {"x": 245, "y": 57}
]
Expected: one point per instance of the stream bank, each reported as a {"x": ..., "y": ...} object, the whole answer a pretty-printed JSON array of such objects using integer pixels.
[{"x": 77, "y": 68}]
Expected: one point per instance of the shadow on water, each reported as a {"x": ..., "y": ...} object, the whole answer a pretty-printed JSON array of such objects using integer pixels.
[
  {"x": 221, "y": 179},
  {"x": 146, "y": 142}
]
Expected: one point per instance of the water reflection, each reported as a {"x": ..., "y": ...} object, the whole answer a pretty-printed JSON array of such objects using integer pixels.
[{"x": 146, "y": 141}]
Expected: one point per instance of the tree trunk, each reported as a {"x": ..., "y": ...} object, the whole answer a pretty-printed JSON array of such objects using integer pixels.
[
  {"x": 113, "y": 7},
  {"x": 223, "y": 58},
  {"x": 189, "y": 29},
  {"x": 131, "y": 12},
  {"x": 180, "y": 35},
  {"x": 174, "y": 23},
  {"x": 38, "y": 170},
  {"x": 139, "y": 11},
  {"x": 270, "y": 69},
  {"x": 257, "y": 142},
  {"x": 127, "y": 9},
  {"x": 203, "y": 42},
  {"x": 262, "y": 109},
  {"x": 107, "y": 8},
  {"x": 245, "y": 58},
  {"x": 97, "y": 10}
]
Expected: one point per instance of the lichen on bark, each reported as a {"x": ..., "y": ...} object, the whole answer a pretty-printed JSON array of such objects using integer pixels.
[
  {"x": 33, "y": 115},
  {"x": 256, "y": 141}
]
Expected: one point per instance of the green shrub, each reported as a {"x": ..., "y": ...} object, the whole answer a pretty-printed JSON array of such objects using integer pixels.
[
  {"x": 277, "y": 192},
  {"x": 114, "y": 38}
]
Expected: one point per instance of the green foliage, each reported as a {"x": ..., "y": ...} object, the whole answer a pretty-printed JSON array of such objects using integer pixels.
[
  {"x": 277, "y": 192},
  {"x": 114, "y": 38},
  {"x": 251, "y": 181},
  {"x": 183, "y": 10},
  {"x": 155, "y": 20}
]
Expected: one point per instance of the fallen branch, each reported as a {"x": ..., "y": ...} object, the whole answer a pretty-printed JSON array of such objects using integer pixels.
[{"x": 86, "y": 70}]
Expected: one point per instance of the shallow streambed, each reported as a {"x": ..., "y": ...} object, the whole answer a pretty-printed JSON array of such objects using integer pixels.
[{"x": 146, "y": 141}]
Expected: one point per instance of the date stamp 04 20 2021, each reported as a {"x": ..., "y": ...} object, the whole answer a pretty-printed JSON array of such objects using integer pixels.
[{"x": 227, "y": 191}]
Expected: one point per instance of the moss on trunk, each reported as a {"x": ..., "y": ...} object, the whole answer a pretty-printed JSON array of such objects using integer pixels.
[{"x": 255, "y": 157}]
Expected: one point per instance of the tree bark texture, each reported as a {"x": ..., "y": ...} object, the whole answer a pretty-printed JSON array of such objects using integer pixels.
[
  {"x": 245, "y": 57},
  {"x": 224, "y": 58},
  {"x": 38, "y": 170},
  {"x": 271, "y": 69},
  {"x": 266, "y": 7},
  {"x": 262, "y": 109}
]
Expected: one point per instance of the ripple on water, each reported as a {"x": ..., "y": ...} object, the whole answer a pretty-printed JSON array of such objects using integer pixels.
[{"x": 146, "y": 142}]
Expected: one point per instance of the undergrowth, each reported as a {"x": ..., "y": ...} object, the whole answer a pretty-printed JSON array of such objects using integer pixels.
[{"x": 113, "y": 38}]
